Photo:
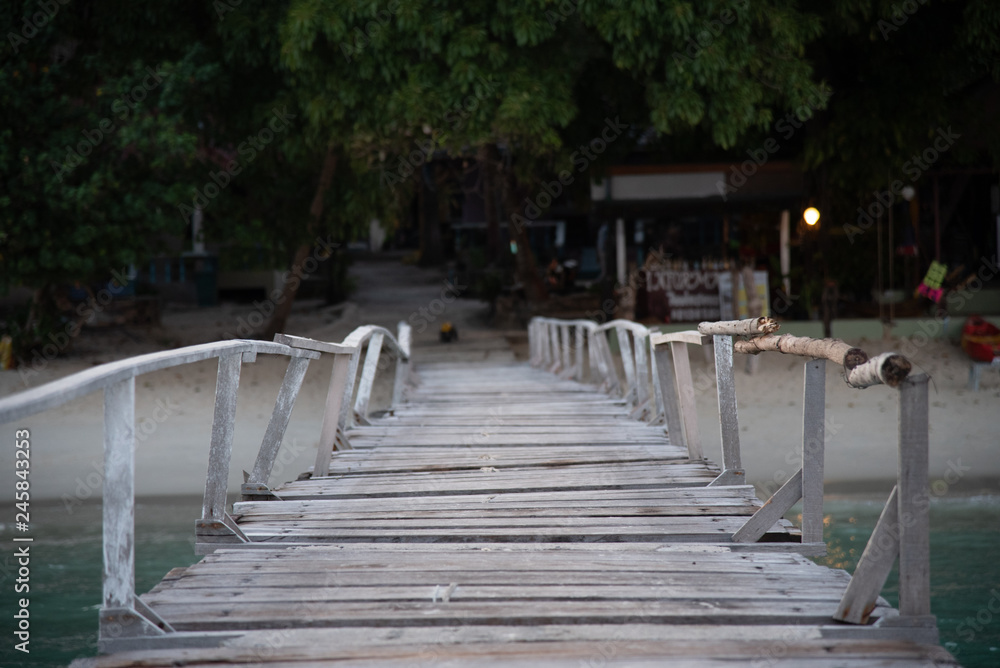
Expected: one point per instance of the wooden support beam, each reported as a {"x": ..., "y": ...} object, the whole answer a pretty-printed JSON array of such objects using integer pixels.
[
  {"x": 271, "y": 443},
  {"x": 873, "y": 568},
  {"x": 772, "y": 511}
]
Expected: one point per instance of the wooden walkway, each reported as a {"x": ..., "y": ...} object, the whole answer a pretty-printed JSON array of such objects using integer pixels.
[{"x": 502, "y": 515}]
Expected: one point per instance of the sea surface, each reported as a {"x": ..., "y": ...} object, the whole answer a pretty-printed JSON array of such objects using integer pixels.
[{"x": 65, "y": 567}]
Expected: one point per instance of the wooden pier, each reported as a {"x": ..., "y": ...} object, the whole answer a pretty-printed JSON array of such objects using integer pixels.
[{"x": 558, "y": 513}]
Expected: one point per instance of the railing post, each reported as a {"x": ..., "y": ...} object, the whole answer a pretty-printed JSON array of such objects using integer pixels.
[
  {"x": 346, "y": 419},
  {"x": 733, "y": 473},
  {"x": 331, "y": 415},
  {"x": 628, "y": 363},
  {"x": 554, "y": 351},
  {"x": 813, "y": 449},
  {"x": 914, "y": 504},
  {"x": 368, "y": 375},
  {"x": 403, "y": 336},
  {"x": 578, "y": 338},
  {"x": 122, "y": 614},
  {"x": 567, "y": 356},
  {"x": 271, "y": 443},
  {"x": 215, "y": 525},
  {"x": 668, "y": 400},
  {"x": 642, "y": 375}
]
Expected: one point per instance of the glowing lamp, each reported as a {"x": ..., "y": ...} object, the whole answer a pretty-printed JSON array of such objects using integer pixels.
[{"x": 811, "y": 216}]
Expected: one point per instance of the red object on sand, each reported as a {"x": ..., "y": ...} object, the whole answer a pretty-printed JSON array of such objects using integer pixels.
[{"x": 980, "y": 339}]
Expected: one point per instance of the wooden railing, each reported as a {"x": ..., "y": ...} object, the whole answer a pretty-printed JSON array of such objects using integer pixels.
[
  {"x": 646, "y": 358},
  {"x": 123, "y": 615}
]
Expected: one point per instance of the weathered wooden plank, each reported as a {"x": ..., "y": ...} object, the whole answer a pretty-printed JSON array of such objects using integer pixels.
[
  {"x": 914, "y": 504},
  {"x": 874, "y": 566},
  {"x": 271, "y": 443},
  {"x": 331, "y": 414},
  {"x": 119, "y": 493},
  {"x": 368, "y": 372},
  {"x": 813, "y": 449},
  {"x": 223, "y": 425}
]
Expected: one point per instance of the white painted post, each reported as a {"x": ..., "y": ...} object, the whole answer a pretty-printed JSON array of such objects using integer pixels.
[
  {"x": 223, "y": 425},
  {"x": 658, "y": 413},
  {"x": 686, "y": 399},
  {"x": 331, "y": 416},
  {"x": 668, "y": 394},
  {"x": 567, "y": 355},
  {"x": 403, "y": 336},
  {"x": 271, "y": 443},
  {"x": 368, "y": 374},
  {"x": 578, "y": 337},
  {"x": 729, "y": 424},
  {"x": 554, "y": 351},
  {"x": 642, "y": 372},
  {"x": 119, "y": 494},
  {"x": 346, "y": 419},
  {"x": 813, "y": 449},
  {"x": 628, "y": 363}
]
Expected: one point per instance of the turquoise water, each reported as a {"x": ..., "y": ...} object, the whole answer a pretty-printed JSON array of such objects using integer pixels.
[
  {"x": 965, "y": 567},
  {"x": 66, "y": 570}
]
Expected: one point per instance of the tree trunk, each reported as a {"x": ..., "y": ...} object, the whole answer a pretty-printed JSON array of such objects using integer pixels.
[
  {"x": 283, "y": 305},
  {"x": 488, "y": 159},
  {"x": 431, "y": 252},
  {"x": 526, "y": 267}
]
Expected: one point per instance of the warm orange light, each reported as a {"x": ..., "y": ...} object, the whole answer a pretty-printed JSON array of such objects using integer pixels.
[{"x": 811, "y": 215}]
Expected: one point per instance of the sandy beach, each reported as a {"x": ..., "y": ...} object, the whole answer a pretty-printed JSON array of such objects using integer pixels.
[{"x": 174, "y": 407}]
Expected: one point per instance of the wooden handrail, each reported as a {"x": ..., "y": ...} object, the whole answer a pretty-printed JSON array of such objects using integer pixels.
[
  {"x": 123, "y": 615},
  {"x": 674, "y": 390}
]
